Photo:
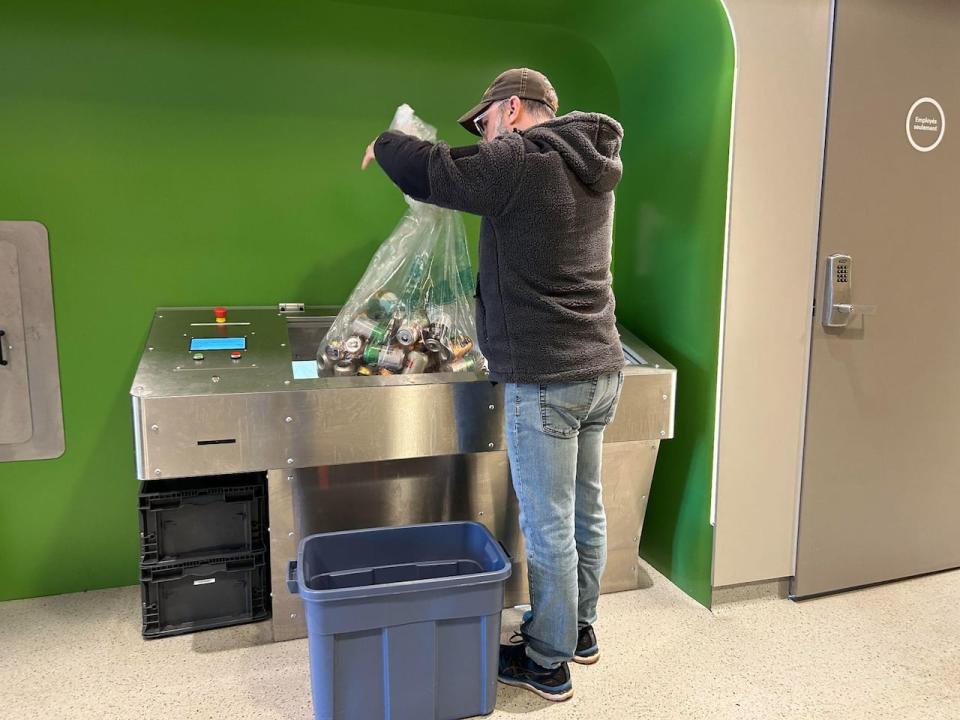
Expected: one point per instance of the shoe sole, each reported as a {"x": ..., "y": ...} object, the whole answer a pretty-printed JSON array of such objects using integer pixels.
[
  {"x": 552, "y": 697},
  {"x": 588, "y": 660}
]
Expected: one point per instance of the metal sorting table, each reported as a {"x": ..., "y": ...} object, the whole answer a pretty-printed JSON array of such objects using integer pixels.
[{"x": 353, "y": 452}]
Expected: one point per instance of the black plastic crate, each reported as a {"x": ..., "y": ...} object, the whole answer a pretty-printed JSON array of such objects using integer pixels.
[
  {"x": 205, "y": 594},
  {"x": 189, "y": 519}
]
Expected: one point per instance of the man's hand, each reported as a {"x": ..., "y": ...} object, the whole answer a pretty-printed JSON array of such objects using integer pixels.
[{"x": 368, "y": 156}]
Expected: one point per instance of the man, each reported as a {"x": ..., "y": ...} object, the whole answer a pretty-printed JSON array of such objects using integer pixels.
[{"x": 545, "y": 320}]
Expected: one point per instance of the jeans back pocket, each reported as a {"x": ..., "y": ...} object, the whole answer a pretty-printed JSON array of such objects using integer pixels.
[{"x": 564, "y": 407}]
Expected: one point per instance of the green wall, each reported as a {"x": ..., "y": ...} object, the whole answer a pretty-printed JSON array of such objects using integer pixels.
[
  {"x": 192, "y": 154},
  {"x": 676, "y": 88}
]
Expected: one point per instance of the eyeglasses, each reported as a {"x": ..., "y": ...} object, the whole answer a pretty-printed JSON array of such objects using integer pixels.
[{"x": 480, "y": 122}]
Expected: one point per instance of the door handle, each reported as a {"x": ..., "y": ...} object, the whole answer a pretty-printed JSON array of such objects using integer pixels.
[
  {"x": 3, "y": 360},
  {"x": 854, "y": 310},
  {"x": 838, "y": 309}
]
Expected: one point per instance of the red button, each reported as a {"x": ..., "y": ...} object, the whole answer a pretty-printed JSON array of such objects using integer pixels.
[
  {"x": 220, "y": 314},
  {"x": 235, "y": 355}
]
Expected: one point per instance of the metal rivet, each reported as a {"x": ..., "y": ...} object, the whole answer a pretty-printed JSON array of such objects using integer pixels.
[
  {"x": 253, "y": 365},
  {"x": 481, "y": 513},
  {"x": 160, "y": 316},
  {"x": 289, "y": 461},
  {"x": 184, "y": 334},
  {"x": 288, "y": 419},
  {"x": 289, "y": 477},
  {"x": 289, "y": 534},
  {"x": 157, "y": 472},
  {"x": 155, "y": 428},
  {"x": 663, "y": 397},
  {"x": 636, "y": 539},
  {"x": 150, "y": 349},
  {"x": 490, "y": 445},
  {"x": 663, "y": 433},
  {"x": 283, "y": 344},
  {"x": 491, "y": 407},
  {"x": 293, "y": 616},
  {"x": 215, "y": 378},
  {"x": 179, "y": 367},
  {"x": 657, "y": 367},
  {"x": 286, "y": 382}
]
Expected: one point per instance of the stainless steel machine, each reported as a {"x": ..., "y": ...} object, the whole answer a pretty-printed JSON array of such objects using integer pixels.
[{"x": 239, "y": 393}]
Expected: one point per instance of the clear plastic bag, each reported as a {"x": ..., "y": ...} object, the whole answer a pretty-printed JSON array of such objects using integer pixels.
[{"x": 413, "y": 309}]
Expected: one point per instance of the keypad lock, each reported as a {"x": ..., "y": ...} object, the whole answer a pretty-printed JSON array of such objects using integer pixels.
[{"x": 838, "y": 306}]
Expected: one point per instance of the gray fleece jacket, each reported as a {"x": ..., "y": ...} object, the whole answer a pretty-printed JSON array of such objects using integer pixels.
[{"x": 545, "y": 307}]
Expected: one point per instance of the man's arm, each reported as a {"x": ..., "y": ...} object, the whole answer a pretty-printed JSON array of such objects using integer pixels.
[
  {"x": 405, "y": 159},
  {"x": 478, "y": 179}
]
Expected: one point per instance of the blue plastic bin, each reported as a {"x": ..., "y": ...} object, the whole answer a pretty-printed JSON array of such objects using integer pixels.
[{"x": 403, "y": 622}]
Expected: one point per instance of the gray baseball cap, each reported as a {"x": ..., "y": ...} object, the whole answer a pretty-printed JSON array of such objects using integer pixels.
[{"x": 523, "y": 82}]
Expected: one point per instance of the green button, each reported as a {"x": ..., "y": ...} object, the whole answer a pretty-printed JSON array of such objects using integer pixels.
[{"x": 198, "y": 356}]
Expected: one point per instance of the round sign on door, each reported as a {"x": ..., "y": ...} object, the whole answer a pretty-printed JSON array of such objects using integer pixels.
[{"x": 925, "y": 124}]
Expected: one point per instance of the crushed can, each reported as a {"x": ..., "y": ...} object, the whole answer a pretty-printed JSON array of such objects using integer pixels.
[{"x": 461, "y": 346}]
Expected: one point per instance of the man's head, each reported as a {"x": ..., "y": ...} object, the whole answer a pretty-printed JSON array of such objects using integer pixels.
[{"x": 516, "y": 100}]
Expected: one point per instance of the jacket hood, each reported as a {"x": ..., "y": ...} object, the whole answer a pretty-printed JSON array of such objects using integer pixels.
[{"x": 588, "y": 142}]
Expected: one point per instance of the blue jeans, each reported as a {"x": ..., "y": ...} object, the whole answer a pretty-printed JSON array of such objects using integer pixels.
[{"x": 554, "y": 440}]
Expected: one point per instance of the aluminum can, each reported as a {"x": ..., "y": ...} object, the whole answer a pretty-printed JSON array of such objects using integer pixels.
[
  {"x": 380, "y": 334},
  {"x": 325, "y": 365},
  {"x": 416, "y": 363},
  {"x": 363, "y": 325},
  {"x": 409, "y": 334},
  {"x": 333, "y": 350},
  {"x": 439, "y": 348},
  {"x": 392, "y": 358},
  {"x": 371, "y": 354},
  {"x": 352, "y": 348},
  {"x": 467, "y": 364},
  {"x": 344, "y": 368},
  {"x": 441, "y": 322},
  {"x": 388, "y": 302}
]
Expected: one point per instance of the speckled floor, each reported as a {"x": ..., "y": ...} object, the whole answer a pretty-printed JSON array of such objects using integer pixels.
[{"x": 887, "y": 652}]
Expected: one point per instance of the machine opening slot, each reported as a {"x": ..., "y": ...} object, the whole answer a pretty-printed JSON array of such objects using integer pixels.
[{"x": 227, "y": 441}]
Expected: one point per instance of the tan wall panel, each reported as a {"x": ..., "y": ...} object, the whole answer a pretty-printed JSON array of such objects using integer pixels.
[{"x": 783, "y": 54}]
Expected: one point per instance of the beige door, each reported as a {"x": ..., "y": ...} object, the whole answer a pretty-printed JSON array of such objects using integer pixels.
[{"x": 880, "y": 497}]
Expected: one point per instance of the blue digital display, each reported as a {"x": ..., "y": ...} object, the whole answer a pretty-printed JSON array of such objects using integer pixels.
[{"x": 230, "y": 343}]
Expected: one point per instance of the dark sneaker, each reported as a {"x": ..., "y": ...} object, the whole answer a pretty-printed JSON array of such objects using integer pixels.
[
  {"x": 520, "y": 671},
  {"x": 588, "y": 651}
]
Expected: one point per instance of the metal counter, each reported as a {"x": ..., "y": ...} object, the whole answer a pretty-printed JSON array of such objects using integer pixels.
[{"x": 344, "y": 453}]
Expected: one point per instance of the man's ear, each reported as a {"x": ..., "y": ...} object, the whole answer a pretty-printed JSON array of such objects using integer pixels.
[{"x": 514, "y": 108}]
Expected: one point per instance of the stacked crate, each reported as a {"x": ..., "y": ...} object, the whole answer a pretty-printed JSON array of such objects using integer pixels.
[{"x": 204, "y": 560}]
